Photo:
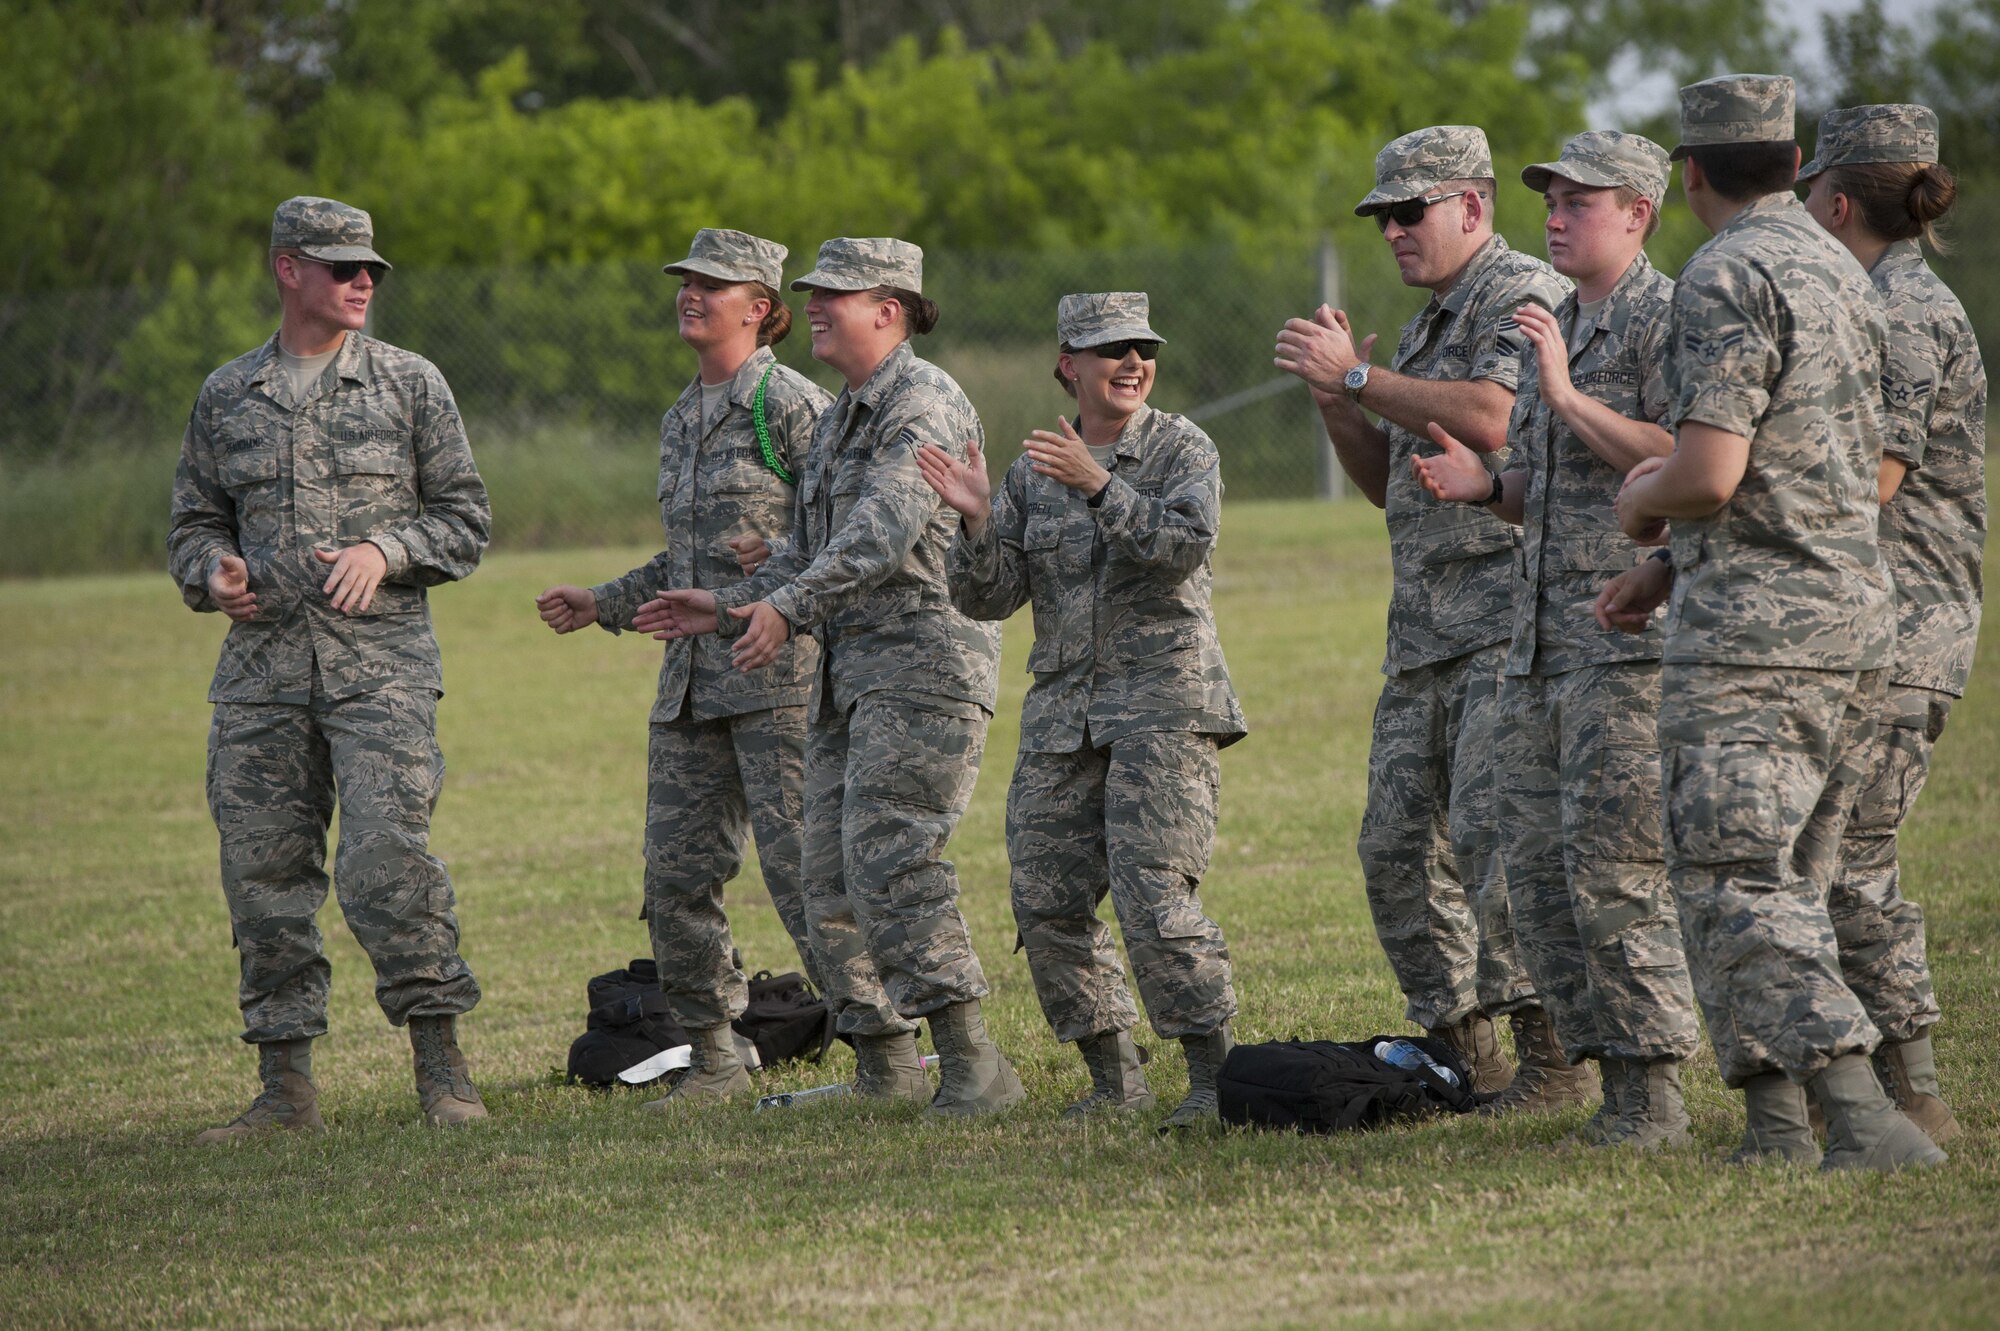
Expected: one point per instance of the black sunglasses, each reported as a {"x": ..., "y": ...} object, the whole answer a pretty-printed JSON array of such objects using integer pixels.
[
  {"x": 344, "y": 271},
  {"x": 1410, "y": 212},
  {"x": 1117, "y": 350}
]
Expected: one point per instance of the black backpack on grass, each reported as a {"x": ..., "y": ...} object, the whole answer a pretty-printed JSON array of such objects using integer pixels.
[
  {"x": 1322, "y": 1086},
  {"x": 630, "y": 1022}
]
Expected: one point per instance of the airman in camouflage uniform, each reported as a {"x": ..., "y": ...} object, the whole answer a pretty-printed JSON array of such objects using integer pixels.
[
  {"x": 1933, "y": 532},
  {"x": 1115, "y": 787},
  {"x": 900, "y": 705},
  {"x": 1579, "y": 804},
  {"x": 328, "y": 682},
  {"x": 1779, "y": 628},
  {"x": 1429, "y": 846},
  {"x": 1578, "y": 763},
  {"x": 726, "y": 753}
]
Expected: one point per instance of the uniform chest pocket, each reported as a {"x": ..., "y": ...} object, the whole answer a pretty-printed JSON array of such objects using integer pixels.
[
  {"x": 249, "y": 472},
  {"x": 376, "y": 485},
  {"x": 739, "y": 477}
]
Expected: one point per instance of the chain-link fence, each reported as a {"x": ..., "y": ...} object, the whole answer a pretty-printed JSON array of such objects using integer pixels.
[{"x": 562, "y": 374}]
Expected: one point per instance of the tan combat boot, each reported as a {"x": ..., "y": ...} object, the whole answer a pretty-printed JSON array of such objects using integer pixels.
[
  {"x": 974, "y": 1076},
  {"x": 1909, "y": 1074},
  {"x": 1596, "y": 1129},
  {"x": 1544, "y": 1082},
  {"x": 1478, "y": 1047},
  {"x": 288, "y": 1102},
  {"x": 715, "y": 1071},
  {"x": 444, "y": 1087},
  {"x": 888, "y": 1067},
  {"x": 1205, "y": 1054},
  {"x": 1775, "y": 1130},
  {"x": 1864, "y": 1129},
  {"x": 1652, "y": 1115},
  {"x": 1117, "y": 1079}
]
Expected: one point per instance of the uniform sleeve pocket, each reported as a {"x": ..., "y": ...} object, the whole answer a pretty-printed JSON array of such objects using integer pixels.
[{"x": 1722, "y": 803}]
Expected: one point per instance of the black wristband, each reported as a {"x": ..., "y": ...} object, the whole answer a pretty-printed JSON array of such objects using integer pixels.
[
  {"x": 1097, "y": 500},
  {"x": 1662, "y": 556}
]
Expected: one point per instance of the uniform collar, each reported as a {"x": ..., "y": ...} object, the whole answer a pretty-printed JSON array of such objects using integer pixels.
[
  {"x": 1126, "y": 445},
  {"x": 352, "y": 361},
  {"x": 1899, "y": 253},
  {"x": 1454, "y": 300},
  {"x": 1614, "y": 301},
  {"x": 892, "y": 368},
  {"x": 743, "y": 388}
]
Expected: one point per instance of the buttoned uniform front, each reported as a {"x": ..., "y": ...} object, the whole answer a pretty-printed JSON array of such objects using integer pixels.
[
  {"x": 1114, "y": 790},
  {"x": 901, "y": 701},
  {"x": 1933, "y": 533},
  {"x": 726, "y": 749},
  {"x": 1429, "y": 847},
  {"x": 312, "y": 703},
  {"x": 1779, "y": 629},
  {"x": 1579, "y": 772}
]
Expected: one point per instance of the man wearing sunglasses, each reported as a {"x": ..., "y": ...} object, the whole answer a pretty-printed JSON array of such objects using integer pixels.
[
  {"x": 1439, "y": 901},
  {"x": 324, "y": 483}
]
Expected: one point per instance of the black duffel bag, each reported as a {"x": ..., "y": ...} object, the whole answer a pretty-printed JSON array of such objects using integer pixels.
[
  {"x": 630, "y": 1022},
  {"x": 1323, "y": 1086}
]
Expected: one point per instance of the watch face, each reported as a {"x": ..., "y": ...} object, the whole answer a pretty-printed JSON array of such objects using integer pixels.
[{"x": 1357, "y": 377}]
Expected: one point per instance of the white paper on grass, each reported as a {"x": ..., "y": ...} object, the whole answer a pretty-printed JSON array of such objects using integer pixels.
[{"x": 659, "y": 1065}]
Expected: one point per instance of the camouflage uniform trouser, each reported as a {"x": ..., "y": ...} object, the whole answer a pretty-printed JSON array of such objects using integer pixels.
[
  {"x": 707, "y": 784},
  {"x": 1880, "y": 931},
  {"x": 1135, "y": 820},
  {"x": 1428, "y": 830},
  {"x": 1579, "y": 810},
  {"x": 1759, "y": 776},
  {"x": 274, "y": 772},
  {"x": 885, "y": 786}
]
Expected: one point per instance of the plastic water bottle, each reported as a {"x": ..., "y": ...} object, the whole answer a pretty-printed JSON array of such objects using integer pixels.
[
  {"x": 1402, "y": 1054},
  {"x": 787, "y": 1099}
]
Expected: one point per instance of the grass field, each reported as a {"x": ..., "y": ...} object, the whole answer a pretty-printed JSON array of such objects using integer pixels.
[{"x": 571, "y": 1209}]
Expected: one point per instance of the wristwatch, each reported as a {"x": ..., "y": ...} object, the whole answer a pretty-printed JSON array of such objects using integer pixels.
[{"x": 1355, "y": 380}]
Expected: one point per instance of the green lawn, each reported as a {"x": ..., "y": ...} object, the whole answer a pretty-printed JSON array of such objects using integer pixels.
[{"x": 117, "y": 1044}]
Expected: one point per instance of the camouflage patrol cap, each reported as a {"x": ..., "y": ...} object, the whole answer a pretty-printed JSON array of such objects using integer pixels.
[
  {"x": 1887, "y": 132},
  {"x": 325, "y": 229},
  {"x": 1420, "y": 161},
  {"x": 1736, "y": 108},
  {"x": 733, "y": 256},
  {"x": 1606, "y": 159},
  {"x": 848, "y": 263},
  {"x": 1091, "y": 319}
]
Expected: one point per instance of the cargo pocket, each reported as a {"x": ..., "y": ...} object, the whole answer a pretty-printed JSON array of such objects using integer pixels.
[
  {"x": 1722, "y": 803},
  {"x": 1620, "y": 819}
]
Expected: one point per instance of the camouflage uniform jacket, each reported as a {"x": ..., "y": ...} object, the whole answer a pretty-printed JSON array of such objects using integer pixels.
[
  {"x": 1124, "y": 638},
  {"x": 865, "y": 567},
  {"x": 714, "y": 486},
  {"x": 375, "y": 452},
  {"x": 1934, "y": 529},
  {"x": 1570, "y": 542},
  {"x": 1778, "y": 337},
  {"x": 1454, "y": 563}
]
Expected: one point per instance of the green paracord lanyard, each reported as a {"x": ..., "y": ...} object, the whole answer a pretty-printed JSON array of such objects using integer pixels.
[{"x": 764, "y": 431}]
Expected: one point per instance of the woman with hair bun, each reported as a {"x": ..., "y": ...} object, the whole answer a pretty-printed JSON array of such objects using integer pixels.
[
  {"x": 726, "y": 754},
  {"x": 906, "y": 688},
  {"x": 1876, "y": 185}
]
